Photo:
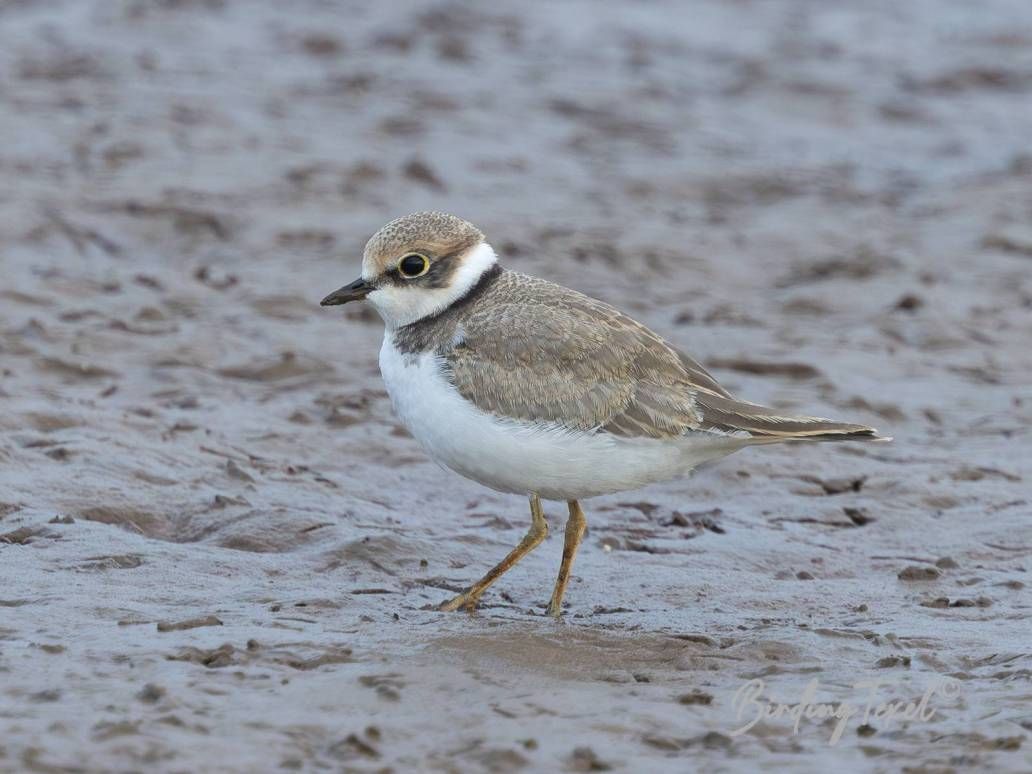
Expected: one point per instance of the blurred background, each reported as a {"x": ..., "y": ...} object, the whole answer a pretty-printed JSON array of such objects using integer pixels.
[{"x": 828, "y": 203}]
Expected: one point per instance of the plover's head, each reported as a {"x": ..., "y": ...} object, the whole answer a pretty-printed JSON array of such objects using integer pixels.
[{"x": 418, "y": 265}]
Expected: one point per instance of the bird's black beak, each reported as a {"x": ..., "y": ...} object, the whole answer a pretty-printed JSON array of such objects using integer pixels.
[{"x": 356, "y": 291}]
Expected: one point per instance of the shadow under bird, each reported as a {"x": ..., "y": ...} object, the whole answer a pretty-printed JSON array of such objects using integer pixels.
[{"x": 531, "y": 388}]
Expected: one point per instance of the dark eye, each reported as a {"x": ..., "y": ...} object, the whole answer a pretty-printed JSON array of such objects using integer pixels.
[{"x": 413, "y": 265}]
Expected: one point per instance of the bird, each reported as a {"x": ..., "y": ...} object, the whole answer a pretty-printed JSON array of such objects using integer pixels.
[{"x": 531, "y": 388}]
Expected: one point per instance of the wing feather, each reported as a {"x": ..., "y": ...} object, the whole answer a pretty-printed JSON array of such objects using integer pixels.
[
  {"x": 541, "y": 353},
  {"x": 556, "y": 356}
]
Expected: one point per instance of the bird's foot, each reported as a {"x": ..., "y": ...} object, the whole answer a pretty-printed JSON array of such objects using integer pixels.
[{"x": 466, "y": 599}]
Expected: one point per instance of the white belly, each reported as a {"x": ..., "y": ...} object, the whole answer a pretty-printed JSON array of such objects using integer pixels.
[{"x": 511, "y": 456}]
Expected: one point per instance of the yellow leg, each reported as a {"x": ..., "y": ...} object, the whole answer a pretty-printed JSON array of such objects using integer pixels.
[
  {"x": 538, "y": 531},
  {"x": 575, "y": 527}
]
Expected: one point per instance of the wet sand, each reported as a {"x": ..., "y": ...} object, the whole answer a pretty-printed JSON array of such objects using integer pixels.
[{"x": 220, "y": 551}]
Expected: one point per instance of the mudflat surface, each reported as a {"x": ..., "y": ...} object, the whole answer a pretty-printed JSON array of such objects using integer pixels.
[{"x": 218, "y": 549}]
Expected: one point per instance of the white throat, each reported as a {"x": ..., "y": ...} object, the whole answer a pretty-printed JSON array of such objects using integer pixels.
[{"x": 399, "y": 305}]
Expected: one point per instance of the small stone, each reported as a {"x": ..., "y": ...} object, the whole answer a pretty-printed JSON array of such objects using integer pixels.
[
  {"x": 151, "y": 693},
  {"x": 918, "y": 573},
  {"x": 714, "y": 740},
  {"x": 976, "y": 602},
  {"x": 585, "y": 759},
  {"x": 695, "y": 698},
  {"x": 858, "y": 516},
  {"x": 893, "y": 661},
  {"x": 909, "y": 302},
  {"x": 190, "y": 623}
]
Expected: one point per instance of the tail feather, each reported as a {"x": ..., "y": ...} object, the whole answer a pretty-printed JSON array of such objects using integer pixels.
[{"x": 768, "y": 426}]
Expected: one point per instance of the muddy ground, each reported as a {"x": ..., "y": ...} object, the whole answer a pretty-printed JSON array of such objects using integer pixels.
[{"x": 218, "y": 549}]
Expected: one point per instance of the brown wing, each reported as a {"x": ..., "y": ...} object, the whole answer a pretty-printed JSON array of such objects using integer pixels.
[{"x": 539, "y": 352}]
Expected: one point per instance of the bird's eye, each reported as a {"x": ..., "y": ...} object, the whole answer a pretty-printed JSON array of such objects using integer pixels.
[{"x": 413, "y": 265}]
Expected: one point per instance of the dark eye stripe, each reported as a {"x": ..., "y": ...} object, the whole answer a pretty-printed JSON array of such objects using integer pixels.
[{"x": 437, "y": 276}]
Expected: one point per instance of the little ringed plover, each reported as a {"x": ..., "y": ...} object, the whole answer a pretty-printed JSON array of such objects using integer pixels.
[{"x": 531, "y": 388}]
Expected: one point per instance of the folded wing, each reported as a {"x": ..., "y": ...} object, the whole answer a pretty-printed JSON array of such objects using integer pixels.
[{"x": 549, "y": 355}]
